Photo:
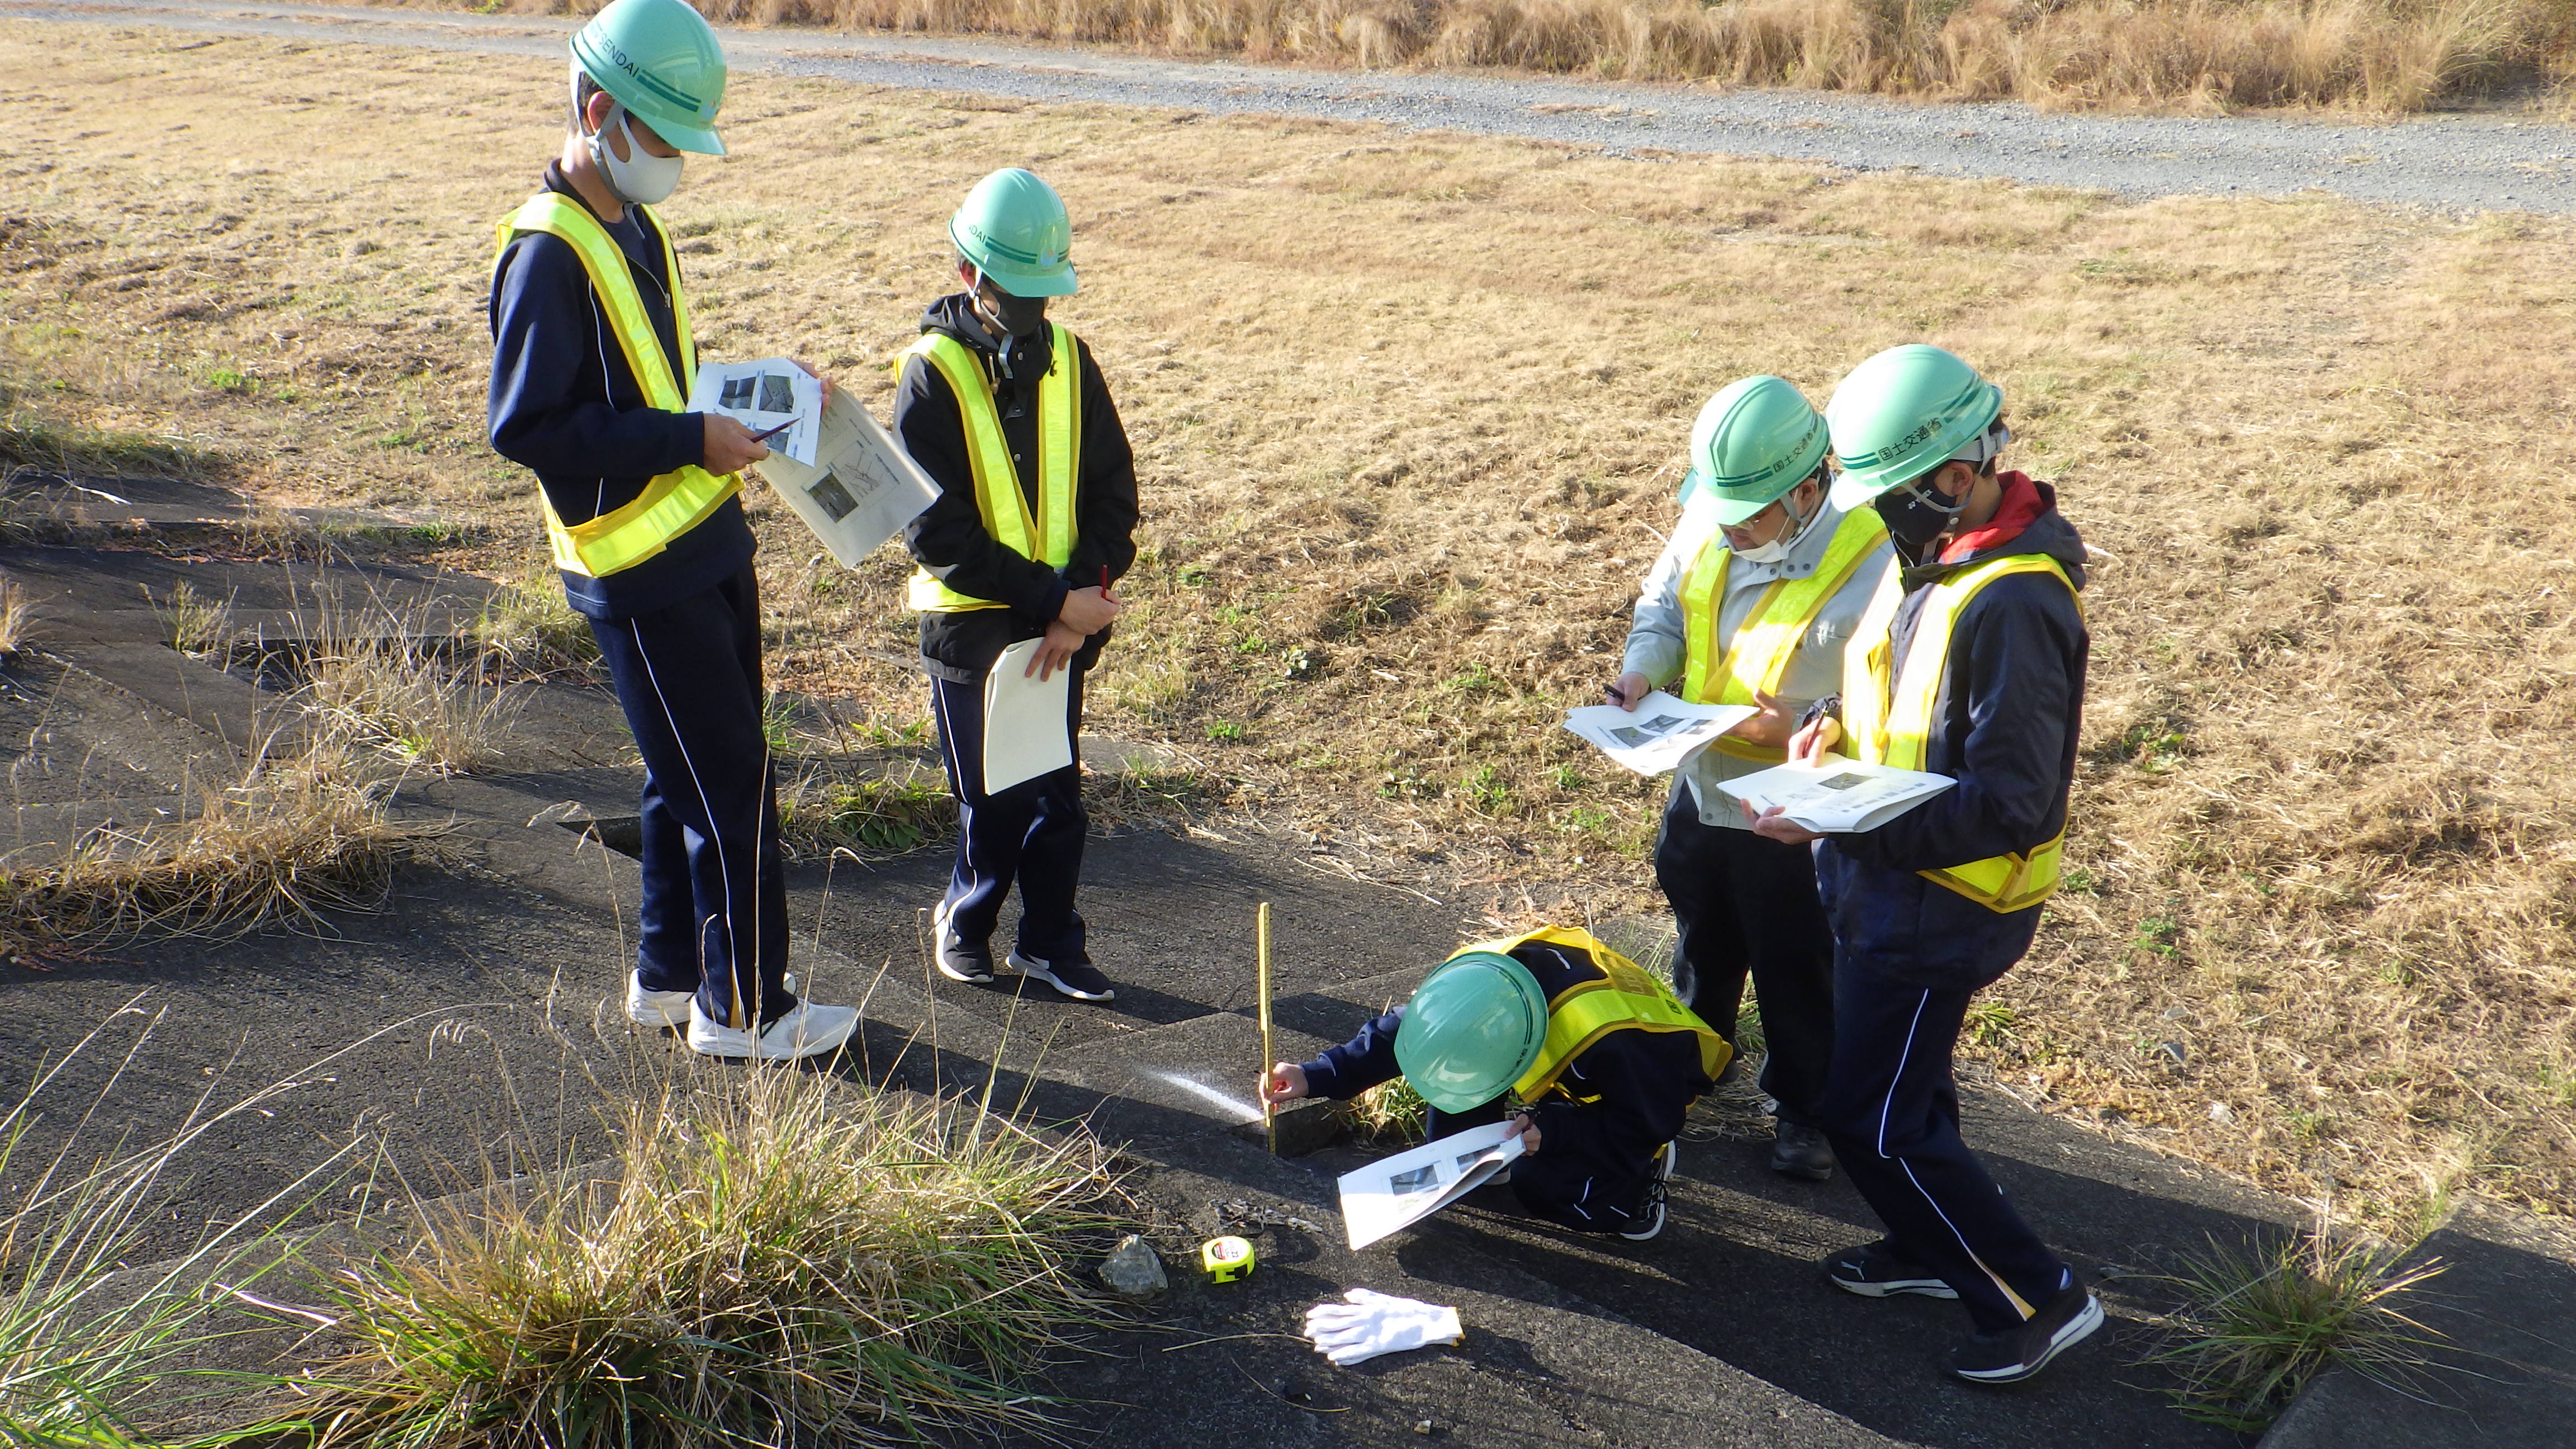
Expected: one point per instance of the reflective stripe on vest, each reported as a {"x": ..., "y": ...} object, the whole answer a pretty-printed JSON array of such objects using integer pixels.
[
  {"x": 1626, "y": 997},
  {"x": 1889, "y": 721},
  {"x": 1049, "y": 536},
  {"x": 1768, "y": 642},
  {"x": 674, "y": 502}
]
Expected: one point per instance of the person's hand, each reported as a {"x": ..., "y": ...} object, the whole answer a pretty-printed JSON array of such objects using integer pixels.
[
  {"x": 729, "y": 446},
  {"x": 1055, "y": 652},
  {"x": 1770, "y": 728},
  {"x": 1528, "y": 1129},
  {"x": 1808, "y": 745},
  {"x": 1628, "y": 690},
  {"x": 1088, "y": 611},
  {"x": 1284, "y": 1082},
  {"x": 822, "y": 377},
  {"x": 1772, "y": 825}
]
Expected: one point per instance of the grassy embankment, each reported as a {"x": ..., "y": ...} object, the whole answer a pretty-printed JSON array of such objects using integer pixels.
[
  {"x": 2383, "y": 55},
  {"x": 1407, "y": 411}
]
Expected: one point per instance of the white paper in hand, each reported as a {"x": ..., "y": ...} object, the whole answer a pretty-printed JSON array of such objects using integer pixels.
[
  {"x": 1393, "y": 1191},
  {"x": 1836, "y": 796},
  {"x": 761, "y": 395},
  {"x": 1025, "y": 733},
  {"x": 865, "y": 489},
  {"x": 1660, "y": 733}
]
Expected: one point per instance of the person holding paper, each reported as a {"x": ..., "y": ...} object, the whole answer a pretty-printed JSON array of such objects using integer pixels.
[
  {"x": 1036, "y": 518},
  {"x": 591, "y": 368},
  {"x": 1751, "y": 602},
  {"x": 1600, "y": 1057},
  {"x": 1971, "y": 665}
]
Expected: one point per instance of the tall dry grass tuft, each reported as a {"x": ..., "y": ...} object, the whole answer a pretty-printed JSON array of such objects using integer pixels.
[
  {"x": 17, "y": 618},
  {"x": 292, "y": 838},
  {"x": 2383, "y": 55},
  {"x": 90, "y": 1341},
  {"x": 382, "y": 676},
  {"x": 777, "y": 1259}
]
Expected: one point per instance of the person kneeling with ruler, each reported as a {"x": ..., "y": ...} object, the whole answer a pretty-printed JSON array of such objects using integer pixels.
[
  {"x": 1036, "y": 518},
  {"x": 591, "y": 370},
  {"x": 1591, "y": 1054}
]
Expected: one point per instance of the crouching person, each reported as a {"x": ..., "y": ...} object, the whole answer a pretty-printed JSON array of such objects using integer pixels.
[{"x": 1594, "y": 1057}]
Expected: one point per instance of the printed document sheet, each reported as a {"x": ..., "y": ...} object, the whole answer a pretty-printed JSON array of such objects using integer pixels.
[
  {"x": 761, "y": 395},
  {"x": 1837, "y": 796},
  {"x": 1404, "y": 1189},
  {"x": 1660, "y": 733},
  {"x": 865, "y": 489},
  {"x": 1025, "y": 734}
]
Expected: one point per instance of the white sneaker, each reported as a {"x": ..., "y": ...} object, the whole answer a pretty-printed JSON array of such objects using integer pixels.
[
  {"x": 807, "y": 1031},
  {"x": 655, "y": 1008}
]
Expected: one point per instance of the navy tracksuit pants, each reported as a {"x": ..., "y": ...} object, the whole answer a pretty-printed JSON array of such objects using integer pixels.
[
  {"x": 715, "y": 898},
  {"x": 1891, "y": 1105},
  {"x": 1746, "y": 905},
  {"x": 1030, "y": 834}
]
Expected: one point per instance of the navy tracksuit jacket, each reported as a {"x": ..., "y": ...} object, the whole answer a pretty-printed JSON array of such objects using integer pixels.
[
  {"x": 1625, "y": 1096},
  {"x": 680, "y": 632},
  {"x": 1908, "y": 953},
  {"x": 1031, "y": 833}
]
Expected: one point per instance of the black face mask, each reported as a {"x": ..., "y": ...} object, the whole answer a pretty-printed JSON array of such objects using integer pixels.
[
  {"x": 1019, "y": 316},
  {"x": 1916, "y": 514}
]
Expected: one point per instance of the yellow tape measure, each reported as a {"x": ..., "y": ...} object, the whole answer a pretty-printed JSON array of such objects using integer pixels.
[{"x": 1225, "y": 1259}]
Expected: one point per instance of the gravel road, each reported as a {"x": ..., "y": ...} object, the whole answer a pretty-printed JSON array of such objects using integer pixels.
[{"x": 2452, "y": 162}]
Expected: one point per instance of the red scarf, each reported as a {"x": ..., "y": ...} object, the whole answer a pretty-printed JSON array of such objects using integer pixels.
[{"x": 2021, "y": 507}]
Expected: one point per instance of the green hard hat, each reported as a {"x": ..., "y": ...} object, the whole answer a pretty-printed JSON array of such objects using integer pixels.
[
  {"x": 1014, "y": 228},
  {"x": 660, "y": 60},
  {"x": 1473, "y": 1026},
  {"x": 1902, "y": 414},
  {"x": 1754, "y": 441}
]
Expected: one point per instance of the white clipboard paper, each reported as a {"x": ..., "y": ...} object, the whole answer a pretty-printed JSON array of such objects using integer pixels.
[
  {"x": 1836, "y": 796},
  {"x": 1025, "y": 734},
  {"x": 865, "y": 488},
  {"x": 1396, "y": 1192}
]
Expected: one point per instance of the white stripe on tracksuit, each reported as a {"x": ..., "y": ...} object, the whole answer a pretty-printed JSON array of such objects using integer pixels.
[
  {"x": 1884, "y": 1110},
  {"x": 715, "y": 839}
]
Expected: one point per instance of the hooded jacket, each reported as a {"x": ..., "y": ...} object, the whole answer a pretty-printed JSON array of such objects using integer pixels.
[
  {"x": 563, "y": 403},
  {"x": 949, "y": 538},
  {"x": 1625, "y": 1096},
  {"x": 2005, "y": 726}
]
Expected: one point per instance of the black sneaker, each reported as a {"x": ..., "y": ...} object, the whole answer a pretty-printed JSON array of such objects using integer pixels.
[
  {"x": 957, "y": 960},
  {"x": 1078, "y": 979},
  {"x": 1801, "y": 1151},
  {"x": 1874, "y": 1271},
  {"x": 2020, "y": 1353},
  {"x": 1651, "y": 1221}
]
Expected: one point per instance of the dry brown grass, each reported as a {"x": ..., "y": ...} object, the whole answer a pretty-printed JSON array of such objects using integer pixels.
[
  {"x": 291, "y": 839},
  {"x": 2383, "y": 55},
  {"x": 1407, "y": 410}
]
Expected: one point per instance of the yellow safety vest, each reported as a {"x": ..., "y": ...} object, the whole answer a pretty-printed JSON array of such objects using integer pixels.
[
  {"x": 1888, "y": 720},
  {"x": 679, "y": 500},
  {"x": 1768, "y": 643},
  {"x": 1627, "y": 997},
  {"x": 1047, "y": 537}
]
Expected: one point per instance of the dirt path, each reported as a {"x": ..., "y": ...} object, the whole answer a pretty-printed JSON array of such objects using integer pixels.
[{"x": 2462, "y": 163}]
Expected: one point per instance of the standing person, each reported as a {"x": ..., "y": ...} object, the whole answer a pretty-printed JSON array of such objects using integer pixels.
[
  {"x": 1970, "y": 664},
  {"x": 591, "y": 367},
  {"x": 1036, "y": 518},
  {"x": 1751, "y": 603}
]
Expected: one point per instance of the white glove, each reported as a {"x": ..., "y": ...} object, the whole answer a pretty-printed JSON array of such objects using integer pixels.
[{"x": 1373, "y": 1323}]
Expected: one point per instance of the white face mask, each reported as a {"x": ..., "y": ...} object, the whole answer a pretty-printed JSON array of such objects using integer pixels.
[
  {"x": 643, "y": 178},
  {"x": 1778, "y": 548}
]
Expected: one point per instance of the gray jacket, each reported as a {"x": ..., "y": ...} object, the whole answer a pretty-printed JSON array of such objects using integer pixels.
[{"x": 1656, "y": 647}]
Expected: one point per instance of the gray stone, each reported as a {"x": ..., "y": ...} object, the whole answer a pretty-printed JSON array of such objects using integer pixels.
[{"x": 1134, "y": 1271}]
